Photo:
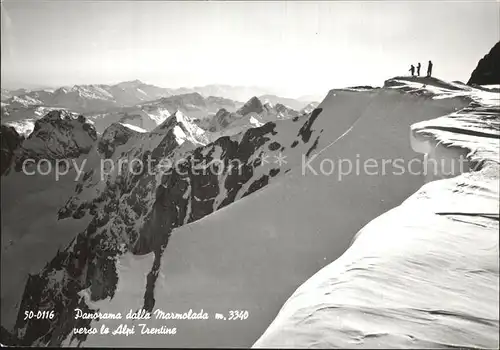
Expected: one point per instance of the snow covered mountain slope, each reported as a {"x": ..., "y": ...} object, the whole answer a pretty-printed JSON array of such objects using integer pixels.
[
  {"x": 227, "y": 260},
  {"x": 425, "y": 274}
]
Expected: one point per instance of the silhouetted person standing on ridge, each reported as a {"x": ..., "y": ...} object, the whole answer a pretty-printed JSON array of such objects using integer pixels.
[
  {"x": 412, "y": 70},
  {"x": 418, "y": 68},
  {"x": 429, "y": 69}
]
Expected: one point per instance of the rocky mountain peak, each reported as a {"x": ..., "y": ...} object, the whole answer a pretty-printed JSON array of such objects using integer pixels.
[
  {"x": 184, "y": 128},
  {"x": 115, "y": 135},
  {"x": 254, "y": 105},
  {"x": 59, "y": 134}
]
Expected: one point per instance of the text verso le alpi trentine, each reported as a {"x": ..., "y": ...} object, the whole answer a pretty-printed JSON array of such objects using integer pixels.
[{"x": 143, "y": 328}]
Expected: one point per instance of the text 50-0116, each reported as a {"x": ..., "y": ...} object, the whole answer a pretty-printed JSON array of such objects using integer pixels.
[{"x": 39, "y": 315}]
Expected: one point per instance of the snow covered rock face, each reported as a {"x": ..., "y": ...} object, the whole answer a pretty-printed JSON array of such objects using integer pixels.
[
  {"x": 11, "y": 140},
  {"x": 58, "y": 135},
  {"x": 487, "y": 71}
]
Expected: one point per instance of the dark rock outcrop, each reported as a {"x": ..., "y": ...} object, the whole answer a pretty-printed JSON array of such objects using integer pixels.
[{"x": 488, "y": 69}]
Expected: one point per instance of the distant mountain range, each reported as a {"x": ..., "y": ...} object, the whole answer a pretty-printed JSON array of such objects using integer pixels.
[
  {"x": 87, "y": 98},
  {"x": 143, "y": 105},
  {"x": 149, "y": 115},
  {"x": 95, "y": 97}
]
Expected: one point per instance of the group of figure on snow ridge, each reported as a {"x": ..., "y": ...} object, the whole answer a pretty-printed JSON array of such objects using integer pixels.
[{"x": 429, "y": 69}]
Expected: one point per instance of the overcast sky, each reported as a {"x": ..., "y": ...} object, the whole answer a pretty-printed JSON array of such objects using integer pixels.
[{"x": 295, "y": 47}]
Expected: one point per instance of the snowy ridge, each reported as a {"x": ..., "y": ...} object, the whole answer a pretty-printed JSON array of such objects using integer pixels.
[{"x": 430, "y": 259}]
